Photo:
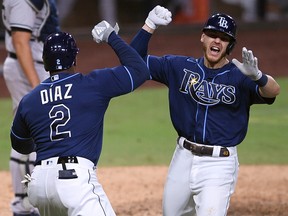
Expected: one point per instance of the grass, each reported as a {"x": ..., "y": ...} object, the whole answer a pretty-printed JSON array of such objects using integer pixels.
[
  {"x": 5, "y": 123},
  {"x": 138, "y": 131},
  {"x": 266, "y": 140}
]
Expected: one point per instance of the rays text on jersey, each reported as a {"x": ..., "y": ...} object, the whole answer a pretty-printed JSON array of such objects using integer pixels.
[{"x": 205, "y": 92}]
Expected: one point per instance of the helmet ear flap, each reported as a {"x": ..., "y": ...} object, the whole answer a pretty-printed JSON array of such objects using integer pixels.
[{"x": 230, "y": 47}]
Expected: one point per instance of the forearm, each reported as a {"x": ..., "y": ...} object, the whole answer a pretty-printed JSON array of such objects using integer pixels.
[
  {"x": 271, "y": 89},
  {"x": 21, "y": 42},
  {"x": 148, "y": 29},
  {"x": 140, "y": 42},
  {"x": 128, "y": 56},
  {"x": 26, "y": 61}
]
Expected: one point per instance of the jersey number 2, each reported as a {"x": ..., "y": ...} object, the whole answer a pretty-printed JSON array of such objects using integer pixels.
[{"x": 61, "y": 116}]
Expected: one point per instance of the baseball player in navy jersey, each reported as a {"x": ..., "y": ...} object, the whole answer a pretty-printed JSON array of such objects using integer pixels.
[
  {"x": 27, "y": 24},
  {"x": 62, "y": 119},
  {"x": 209, "y": 101}
]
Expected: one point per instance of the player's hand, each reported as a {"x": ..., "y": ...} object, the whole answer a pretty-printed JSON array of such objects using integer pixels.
[
  {"x": 249, "y": 67},
  {"x": 102, "y": 31},
  {"x": 158, "y": 16},
  {"x": 26, "y": 180}
]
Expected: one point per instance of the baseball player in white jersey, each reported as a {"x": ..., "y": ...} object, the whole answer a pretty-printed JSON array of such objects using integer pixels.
[{"x": 27, "y": 24}]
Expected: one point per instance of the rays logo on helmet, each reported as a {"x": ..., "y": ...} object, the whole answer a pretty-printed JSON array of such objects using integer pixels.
[{"x": 223, "y": 22}]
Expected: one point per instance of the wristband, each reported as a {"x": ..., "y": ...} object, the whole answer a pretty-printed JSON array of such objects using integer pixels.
[
  {"x": 150, "y": 23},
  {"x": 262, "y": 81}
]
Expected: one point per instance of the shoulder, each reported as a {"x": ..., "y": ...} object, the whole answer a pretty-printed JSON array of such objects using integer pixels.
[
  {"x": 177, "y": 58},
  {"x": 16, "y": 17},
  {"x": 14, "y": 5}
]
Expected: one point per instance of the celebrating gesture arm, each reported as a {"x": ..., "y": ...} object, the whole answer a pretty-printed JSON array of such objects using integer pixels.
[
  {"x": 102, "y": 31},
  {"x": 268, "y": 87},
  {"x": 157, "y": 16}
]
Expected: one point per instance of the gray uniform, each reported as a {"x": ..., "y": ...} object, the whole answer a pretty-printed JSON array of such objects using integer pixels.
[{"x": 40, "y": 19}]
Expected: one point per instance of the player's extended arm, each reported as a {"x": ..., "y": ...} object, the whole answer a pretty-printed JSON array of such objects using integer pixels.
[
  {"x": 21, "y": 43},
  {"x": 268, "y": 87},
  {"x": 128, "y": 57}
]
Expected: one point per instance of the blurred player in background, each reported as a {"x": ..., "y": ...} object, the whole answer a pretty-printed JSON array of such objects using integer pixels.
[
  {"x": 68, "y": 129},
  {"x": 27, "y": 24},
  {"x": 209, "y": 101}
]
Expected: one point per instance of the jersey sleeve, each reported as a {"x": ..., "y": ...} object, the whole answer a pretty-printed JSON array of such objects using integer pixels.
[
  {"x": 159, "y": 67},
  {"x": 253, "y": 88},
  {"x": 19, "y": 19},
  {"x": 125, "y": 78},
  {"x": 162, "y": 68},
  {"x": 113, "y": 82},
  {"x": 262, "y": 100},
  {"x": 20, "y": 135},
  {"x": 140, "y": 42}
]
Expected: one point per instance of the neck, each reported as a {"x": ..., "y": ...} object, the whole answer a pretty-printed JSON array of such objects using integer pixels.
[
  {"x": 213, "y": 65},
  {"x": 69, "y": 70}
]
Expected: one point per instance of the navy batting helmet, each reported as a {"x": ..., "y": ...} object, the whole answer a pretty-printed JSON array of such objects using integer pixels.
[
  {"x": 59, "y": 52},
  {"x": 225, "y": 24}
]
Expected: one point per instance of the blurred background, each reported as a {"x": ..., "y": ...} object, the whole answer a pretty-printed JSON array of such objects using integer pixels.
[
  {"x": 75, "y": 13},
  {"x": 85, "y": 13}
]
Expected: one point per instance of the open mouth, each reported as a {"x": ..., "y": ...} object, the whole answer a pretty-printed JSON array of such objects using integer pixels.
[{"x": 215, "y": 50}]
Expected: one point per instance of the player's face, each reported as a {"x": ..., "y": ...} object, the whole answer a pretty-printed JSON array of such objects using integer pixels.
[{"x": 214, "y": 46}]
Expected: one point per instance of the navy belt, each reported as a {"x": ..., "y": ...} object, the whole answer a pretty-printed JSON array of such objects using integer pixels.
[
  {"x": 14, "y": 56},
  {"x": 201, "y": 150}
]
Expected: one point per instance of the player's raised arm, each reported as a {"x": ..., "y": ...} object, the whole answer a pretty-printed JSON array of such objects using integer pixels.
[
  {"x": 268, "y": 87},
  {"x": 158, "y": 16},
  {"x": 104, "y": 32}
]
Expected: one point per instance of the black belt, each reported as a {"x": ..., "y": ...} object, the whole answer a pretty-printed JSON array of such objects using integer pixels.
[
  {"x": 63, "y": 160},
  {"x": 14, "y": 56},
  {"x": 201, "y": 150},
  {"x": 65, "y": 173}
]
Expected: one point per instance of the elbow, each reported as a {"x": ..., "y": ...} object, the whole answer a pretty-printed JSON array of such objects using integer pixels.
[
  {"x": 277, "y": 90},
  {"x": 271, "y": 89},
  {"x": 22, "y": 150},
  {"x": 147, "y": 75},
  {"x": 22, "y": 146}
]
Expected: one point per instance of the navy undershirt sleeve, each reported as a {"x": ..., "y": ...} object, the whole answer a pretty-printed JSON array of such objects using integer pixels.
[{"x": 140, "y": 42}]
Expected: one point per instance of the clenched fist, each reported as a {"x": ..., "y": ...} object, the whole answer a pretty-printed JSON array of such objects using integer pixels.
[
  {"x": 102, "y": 31},
  {"x": 158, "y": 16}
]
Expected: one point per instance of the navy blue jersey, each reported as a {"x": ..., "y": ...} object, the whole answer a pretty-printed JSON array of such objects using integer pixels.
[
  {"x": 64, "y": 115},
  {"x": 209, "y": 106}
]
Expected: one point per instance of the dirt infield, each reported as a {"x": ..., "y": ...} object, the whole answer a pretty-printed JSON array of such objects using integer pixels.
[{"x": 137, "y": 191}]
